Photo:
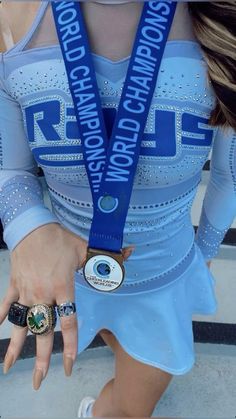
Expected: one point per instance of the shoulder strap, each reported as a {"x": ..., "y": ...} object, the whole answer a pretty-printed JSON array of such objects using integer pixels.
[{"x": 19, "y": 46}]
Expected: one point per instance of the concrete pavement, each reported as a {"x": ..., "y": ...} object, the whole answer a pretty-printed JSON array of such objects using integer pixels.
[{"x": 207, "y": 391}]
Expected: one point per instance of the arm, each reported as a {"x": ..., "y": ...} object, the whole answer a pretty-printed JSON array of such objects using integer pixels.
[
  {"x": 21, "y": 199},
  {"x": 44, "y": 255},
  {"x": 219, "y": 205}
]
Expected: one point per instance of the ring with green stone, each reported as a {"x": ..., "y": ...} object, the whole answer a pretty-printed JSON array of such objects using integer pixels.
[{"x": 41, "y": 319}]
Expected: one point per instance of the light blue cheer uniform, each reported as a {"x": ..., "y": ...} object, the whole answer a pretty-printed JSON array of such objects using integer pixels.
[{"x": 167, "y": 279}]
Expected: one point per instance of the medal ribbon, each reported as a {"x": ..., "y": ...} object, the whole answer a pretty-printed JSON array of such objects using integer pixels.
[{"x": 111, "y": 165}]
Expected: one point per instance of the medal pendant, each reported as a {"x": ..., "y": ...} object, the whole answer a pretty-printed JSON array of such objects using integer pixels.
[{"x": 104, "y": 270}]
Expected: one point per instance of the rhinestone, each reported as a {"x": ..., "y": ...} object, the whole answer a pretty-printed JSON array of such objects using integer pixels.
[{"x": 17, "y": 203}]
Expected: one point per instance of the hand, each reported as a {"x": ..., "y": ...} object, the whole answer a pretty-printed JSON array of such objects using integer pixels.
[{"x": 42, "y": 271}]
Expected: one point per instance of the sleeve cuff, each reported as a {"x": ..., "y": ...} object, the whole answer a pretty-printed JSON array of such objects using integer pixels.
[{"x": 25, "y": 223}]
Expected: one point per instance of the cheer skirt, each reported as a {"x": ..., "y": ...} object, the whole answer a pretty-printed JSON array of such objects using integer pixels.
[{"x": 154, "y": 327}]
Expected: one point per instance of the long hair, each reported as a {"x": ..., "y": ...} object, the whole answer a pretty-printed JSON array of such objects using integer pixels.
[{"x": 215, "y": 29}]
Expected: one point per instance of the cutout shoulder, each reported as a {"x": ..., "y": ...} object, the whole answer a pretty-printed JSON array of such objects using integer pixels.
[
  {"x": 6, "y": 39},
  {"x": 16, "y": 19}
]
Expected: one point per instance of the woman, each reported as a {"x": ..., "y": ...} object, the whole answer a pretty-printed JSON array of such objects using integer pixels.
[{"x": 146, "y": 319}]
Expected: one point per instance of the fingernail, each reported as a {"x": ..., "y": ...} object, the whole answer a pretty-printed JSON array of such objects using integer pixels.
[
  {"x": 8, "y": 362},
  {"x": 68, "y": 365},
  {"x": 37, "y": 378}
]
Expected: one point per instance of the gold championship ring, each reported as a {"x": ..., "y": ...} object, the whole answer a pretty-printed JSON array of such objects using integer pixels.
[{"x": 41, "y": 319}]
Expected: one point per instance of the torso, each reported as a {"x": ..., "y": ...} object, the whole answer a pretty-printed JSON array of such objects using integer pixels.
[{"x": 176, "y": 141}]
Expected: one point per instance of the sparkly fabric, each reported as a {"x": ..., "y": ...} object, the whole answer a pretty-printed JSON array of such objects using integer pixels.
[
  {"x": 21, "y": 201},
  {"x": 219, "y": 205},
  {"x": 232, "y": 160},
  {"x": 38, "y": 127},
  {"x": 208, "y": 237},
  {"x": 19, "y": 194}
]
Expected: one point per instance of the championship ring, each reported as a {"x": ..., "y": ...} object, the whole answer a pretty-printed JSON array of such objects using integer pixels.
[
  {"x": 41, "y": 318},
  {"x": 104, "y": 270},
  {"x": 17, "y": 314},
  {"x": 66, "y": 309}
]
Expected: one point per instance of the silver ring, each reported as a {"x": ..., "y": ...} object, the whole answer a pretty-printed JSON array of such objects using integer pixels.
[{"x": 66, "y": 309}]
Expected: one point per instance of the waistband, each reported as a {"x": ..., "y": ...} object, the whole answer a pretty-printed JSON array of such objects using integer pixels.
[{"x": 140, "y": 197}]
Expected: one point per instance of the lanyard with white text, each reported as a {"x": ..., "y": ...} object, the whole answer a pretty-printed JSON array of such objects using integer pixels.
[{"x": 111, "y": 165}]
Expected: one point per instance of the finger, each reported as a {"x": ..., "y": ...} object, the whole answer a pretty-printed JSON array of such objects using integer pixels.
[
  {"x": 70, "y": 339},
  {"x": 44, "y": 345},
  {"x": 11, "y": 296},
  {"x": 18, "y": 336},
  {"x": 69, "y": 330}
]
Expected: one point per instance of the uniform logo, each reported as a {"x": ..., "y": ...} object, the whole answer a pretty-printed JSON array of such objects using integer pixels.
[{"x": 45, "y": 123}]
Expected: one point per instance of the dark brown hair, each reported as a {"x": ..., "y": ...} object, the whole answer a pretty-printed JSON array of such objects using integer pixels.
[{"x": 215, "y": 29}]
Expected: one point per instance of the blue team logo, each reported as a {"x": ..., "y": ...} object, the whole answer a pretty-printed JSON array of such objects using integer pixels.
[
  {"x": 102, "y": 269},
  {"x": 45, "y": 123}
]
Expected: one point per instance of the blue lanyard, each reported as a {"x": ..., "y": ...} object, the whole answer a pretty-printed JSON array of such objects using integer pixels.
[{"x": 111, "y": 165}]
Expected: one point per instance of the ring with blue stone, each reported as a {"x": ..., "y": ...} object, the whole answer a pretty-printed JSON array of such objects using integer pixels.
[{"x": 66, "y": 309}]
